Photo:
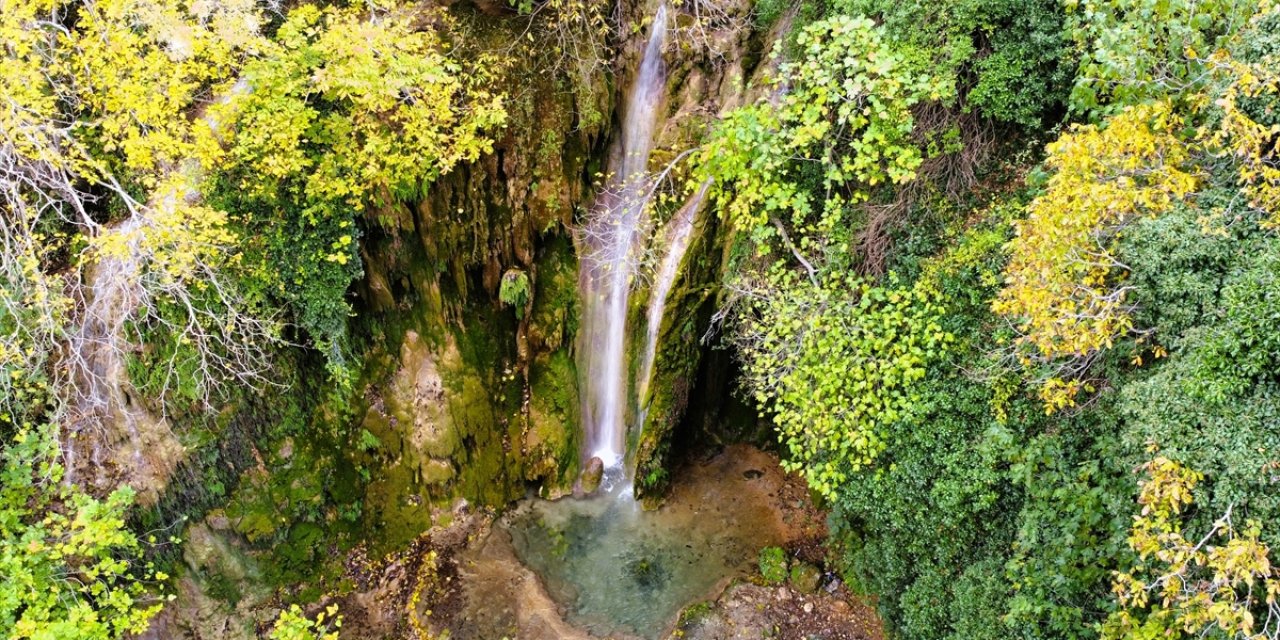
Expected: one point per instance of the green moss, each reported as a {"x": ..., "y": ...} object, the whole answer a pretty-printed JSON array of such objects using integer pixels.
[
  {"x": 773, "y": 565},
  {"x": 552, "y": 440},
  {"x": 554, "y": 319},
  {"x": 694, "y": 613},
  {"x": 676, "y": 361}
]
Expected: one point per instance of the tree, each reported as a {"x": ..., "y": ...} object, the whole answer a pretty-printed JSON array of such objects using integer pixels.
[
  {"x": 145, "y": 147},
  {"x": 834, "y": 365},
  {"x": 833, "y": 127},
  {"x": 72, "y": 569},
  {"x": 830, "y": 356},
  {"x": 343, "y": 113},
  {"x": 1142, "y": 50},
  {"x": 1219, "y": 584},
  {"x": 1063, "y": 285}
]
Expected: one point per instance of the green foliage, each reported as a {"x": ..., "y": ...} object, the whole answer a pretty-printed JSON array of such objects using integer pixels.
[
  {"x": 982, "y": 518},
  {"x": 366, "y": 441},
  {"x": 1010, "y": 56},
  {"x": 72, "y": 569},
  {"x": 341, "y": 114},
  {"x": 840, "y": 128},
  {"x": 835, "y": 366},
  {"x": 1212, "y": 297},
  {"x": 515, "y": 290},
  {"x": 767, "y": 12},
  {"x": 1220, "y": 583},
  {"x": 693, "y": 613},
  {"x": 293, "y": 624},
  {"x": 831, "y": 357},
  {"x": 1070, "y": 532},
  {"x": 773, "y": 565},
  {"x": 936, "y": 508},
  {"x": 1138, "y": 50}
]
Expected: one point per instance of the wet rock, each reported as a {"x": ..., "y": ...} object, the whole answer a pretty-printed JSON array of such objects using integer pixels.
[
  {"x": 592, "y": 475},
  {"x": 805, "y": 577}
]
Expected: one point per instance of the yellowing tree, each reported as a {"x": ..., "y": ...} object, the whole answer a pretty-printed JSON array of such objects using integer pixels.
[
  {"x": 125, "y": 125},
  {"x": 1248, "y": 129},
  {"x": 1220, "y": 584},
  {"x": 1064, "y": 286},
  {"x": 340, "y": 113}
]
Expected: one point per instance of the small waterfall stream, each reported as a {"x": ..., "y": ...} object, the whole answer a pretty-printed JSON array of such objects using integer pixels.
[
  {"x": 679, "y": 231},
  {"x": 95, "y": 352},
  {"x": 611, "y": 260},
  {"x": 617, "y": 570}
]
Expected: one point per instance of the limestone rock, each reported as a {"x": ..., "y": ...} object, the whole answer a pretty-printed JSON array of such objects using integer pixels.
[{"x": 591, "y": 475}]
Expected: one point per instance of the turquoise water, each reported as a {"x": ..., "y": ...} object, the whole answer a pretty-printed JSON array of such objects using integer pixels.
[{"x": 618, "y": 570}]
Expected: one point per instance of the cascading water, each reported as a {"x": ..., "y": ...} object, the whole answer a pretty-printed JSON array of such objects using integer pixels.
[
  {"x": 678, "y": 233},
  {"x": 102, "y": 402},
  {"x": 611, "y": 260}
]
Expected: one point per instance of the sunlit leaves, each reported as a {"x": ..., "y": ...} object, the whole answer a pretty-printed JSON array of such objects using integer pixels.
[
  {"x": 293, "y": 624},
  {"x": 829, "y": 356},
  {"x": 1248, "y": 129},
  {"x": 353, "y": 110},
  {"x": 71, "y": 567},
  {"x": 1209, "y": 584},
  {"x": 1139, "y": 50},
  {"x": 834, "y": 364},
  {"x": 1064, "y": 286},
  {"x": 342, "y": 113},
  {"x": 840, "y": 111}
]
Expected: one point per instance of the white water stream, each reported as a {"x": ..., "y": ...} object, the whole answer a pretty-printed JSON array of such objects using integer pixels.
[
  {"x": 610, "y": 263},
  {"x": 679, "y": 231}
]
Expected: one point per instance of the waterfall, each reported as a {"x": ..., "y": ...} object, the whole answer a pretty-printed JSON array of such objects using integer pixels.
[
  {"x": 678, "y": 232},
  {"x": 611, "y": 259},
  {"x": 95, "y": 351},
  {"x": 107, "y": 427}
]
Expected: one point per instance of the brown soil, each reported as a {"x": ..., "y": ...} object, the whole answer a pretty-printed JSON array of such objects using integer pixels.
[{"x": 749, "y": 611}]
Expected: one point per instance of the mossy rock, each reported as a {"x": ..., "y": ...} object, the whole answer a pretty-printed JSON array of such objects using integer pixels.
[
  {"x": 804, "y": 577},
  {"x": 551, "y": 439},
  {"x": 437, "y": 471}
]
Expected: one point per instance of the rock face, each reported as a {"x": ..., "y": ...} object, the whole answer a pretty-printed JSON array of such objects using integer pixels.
[
  {"x": 471, "y": 397},
  {"x": 112, "y": 438},
  {"x": 465, "y": 395},
  {"x": 592, "y": 474},
  {"x": 456, "y": 394}
]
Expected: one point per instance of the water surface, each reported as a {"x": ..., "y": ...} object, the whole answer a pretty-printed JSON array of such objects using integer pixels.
[{"x": 616, "y": 570}]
